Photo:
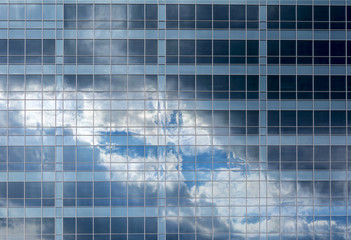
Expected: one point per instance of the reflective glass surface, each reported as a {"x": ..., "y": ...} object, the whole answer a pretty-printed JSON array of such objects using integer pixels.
[{"x": 175, "y": 120}]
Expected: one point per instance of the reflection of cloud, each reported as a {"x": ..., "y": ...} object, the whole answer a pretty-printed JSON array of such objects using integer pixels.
[{"x": 168, "y": 164}]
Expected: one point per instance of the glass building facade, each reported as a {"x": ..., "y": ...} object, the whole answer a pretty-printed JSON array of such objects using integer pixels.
[{"x": 175, "y": 119}]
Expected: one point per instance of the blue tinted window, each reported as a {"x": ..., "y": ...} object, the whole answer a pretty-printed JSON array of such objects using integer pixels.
[
  {"x": 70, "y": 11},
  {"x": 85, "y": 12},
  {"x": 16, "y": 47},
  {"x": 33, "y": 47},
  {"x": 84, "y": 189},
  {"x": 69, "y": 225},
  {"x": 136, "y": 12},
  {"x": 15, "y": 189},
  {"x": 101, "y": 225},
  {"x": 84, "y": 225},
  {"x": 33, "y": 190},
  {"x": 135, "y": 225},
  {"x": 101, "y": 189}
]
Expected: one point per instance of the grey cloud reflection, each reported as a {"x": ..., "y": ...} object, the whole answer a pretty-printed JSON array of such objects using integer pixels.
[{"x": 169, "y": 163}]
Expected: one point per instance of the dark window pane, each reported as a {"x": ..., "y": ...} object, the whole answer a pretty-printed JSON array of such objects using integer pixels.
[
  {"x": 220, "y": 83},
  {"x": 252, "y": 47},
  {"x": 101, "y": 189},
  {"x": 288, "y": 118},
  {"x": 49, "y": 47},
  {"x": 203, "y": 12},
  {"x": 220, "y": 47},
  {"x": 305, "y": 118},
  {"x": 321, "y": 13},
  {"x": 119, "y": 225},
  {"x": 187, "y": 83},
  {"x": 204, "y": 47},
  {"x": 338, "y": 118},
  {"x": 273, "y": 118},
  {"x": 3, "y": 47},
  {"x": 171, "y": 12},
  {"x": 273, "y": 153},
  {"x": 101, "y": 225},
  {"x": 252, "y": 83},
  {"x": 273, "y": 12},
  {"x": 338, "y": 153},
  {"x": 273, "y": 83},
  {"x": 151, "y": 225},
  {"x": 84, "y": 190},
  {"x": 273, "y": 47},
  {"x": 288, "y": 83},
  {"x": 136, "y": 47},
  {"x": 321, "y": 83},
  {"x": 16, "y": 47},
  {"x": 70, "y": 11},
  {"x": 252, "y": 118},
  {"x": 321, "y": 153},
  {"x": 33, "y": 47},
  {"x": 288, "y": 48},
  {"x": 237, "y": 83},
  {"x": 136, "y": 12},
  {"x": 304, "y": 13},
  {"x": 220, "y": 12},
  {"x": 204, "y": 82},
  {"x": 338, "y": 83},
  {"x": 337, "y": 13},
  {"x": 187, "y": 47},
  {"x": 237, "y": 12},
  {"x": 252, "y": 12},
  {"x": 172, "y": 47},
  {"x": 338, "y": 48},
  {"x": 15, "y": 189},
  {"x": 33, "y": 190},
  {"x": 151, "y": 12},
  {"x": 321, "y": 48},
  {"x": 151, "y": 47},
  {"x": 287, "y": 13},
  {"x": 70, "y": 47},
  {"x": 237, "y": 47},
  {"x": 135, "y": 225},
  {"x": 305, "y": 153},
  {"x": 304, "y": 48},
  {"x": 84, "y": 225},
  {"x": 288, "y": 153},
  {"x": 237, "y": 118},
  {"x": 187, "y": 12},
  {"x": 321, "y": 118},
  {"x": 69, "y": 225}
]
